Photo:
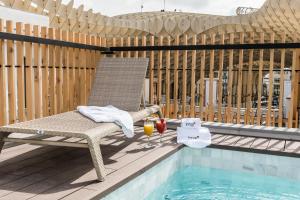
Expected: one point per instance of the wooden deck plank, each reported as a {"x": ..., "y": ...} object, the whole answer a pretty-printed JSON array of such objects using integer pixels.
[
  {"x": 15, "y": 151},
  {"x": 218, "y": 139},
  {"x": 9, "y": 166},
  {"x": 24, "y": 182},
  {"x": 58, "y": 191},
  {"x": 230, "y": 140},
  {"x": 260, "y": 143},
  {"x": 23, "y": 170},
  {"x": 276, "y": 145},
  {"x": 6, "y": 178},
  {"x": 31, "y": 157},
  {"x": 83, "y": 193},
  {"x": 53, "y": 184},
  {"x": 49, "y": 177},
  {"x": 292, "y": 147},
  {"x": 245, "y": 142}
]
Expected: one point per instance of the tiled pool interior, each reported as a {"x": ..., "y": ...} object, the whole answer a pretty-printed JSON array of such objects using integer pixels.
[{"x": 216, "y": 174}]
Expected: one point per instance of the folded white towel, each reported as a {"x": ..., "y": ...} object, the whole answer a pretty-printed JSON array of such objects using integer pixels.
[{"x": 109, "y": 114}]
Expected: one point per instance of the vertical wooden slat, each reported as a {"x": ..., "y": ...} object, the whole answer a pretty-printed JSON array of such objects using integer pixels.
[
  {"x": 250, "y": 84},
  {"x": 202, "y": 75},
  {"x": 114, "y": 43},
  {"x": 144, "y": 43},
  {"x": 98, "y": 56},
  {"x": 66, "y": 74},
  {"x": 93, "y": 64},
  {"x": 136, "y": 43},
  {"x": 3, "y": 108},
  {"x": 271, "y": 81},
  {"x": 52, "y": 75},
  {"x": 294, "y": 90},
  {"x": 45, "y": 75},
  {"x": 282, "y": 77},
  {"x": 37, "y": 75},
  {"x": 193, "y": 79},
  {"x": 77, "y": 72},
  {"x": 59, "y": 75},
  {"x": 89, "y": 66},
  {"x": 128, "y": 44},
  {"x": 11, "y": 75},
  {"x": 260, "y": 77},
  {"x": 211, "y": 80},
  {"x": 151, "y": 68},
  {"x": 230, "y": 80},
  {"x": 122, "y": 44},
  {"x": 93, "y": 54},
  {"x": 82, "y": 76},
  {"x": 72, "y": 72},
  {"x": 176, "y": 64},
  {"x": 184, "y": 78},
  {"x": 20, "y": 75},
  {"x": 168, "y": 85},
  {"x": 159, "y": 72},
  {"x": 29, "y": 76},
  {"x": 220, "y": 81},
  {"x": 104, "y": 41},
  {"x": 240, "y": 79}
]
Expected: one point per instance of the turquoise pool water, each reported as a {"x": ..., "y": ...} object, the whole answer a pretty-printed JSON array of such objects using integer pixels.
[
  {"x": 208, "y": 183},
  {"x": 216, "y": 174}
]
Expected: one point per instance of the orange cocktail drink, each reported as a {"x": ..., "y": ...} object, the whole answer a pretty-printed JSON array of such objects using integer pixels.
[{"x": 148, "y": 129}]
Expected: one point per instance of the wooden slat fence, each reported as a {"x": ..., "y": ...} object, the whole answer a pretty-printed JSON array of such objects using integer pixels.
[
  {"x": 38, "y": 80},
  {"x": 247, "y": 86},
  {"x": 256, "y": 86}
]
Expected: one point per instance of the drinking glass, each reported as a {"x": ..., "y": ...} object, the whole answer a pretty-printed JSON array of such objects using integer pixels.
[
  {"x": 148, "y": 130},
  {"x": 161, "y": 126}
]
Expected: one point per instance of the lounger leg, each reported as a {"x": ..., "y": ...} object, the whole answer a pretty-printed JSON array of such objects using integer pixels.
[
  {"x": 95, "y": 151},
  {"x": 2, "y": 136}
]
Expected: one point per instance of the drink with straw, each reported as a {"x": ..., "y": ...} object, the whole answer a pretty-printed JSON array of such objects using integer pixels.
[{"x": 161, "y": 126}]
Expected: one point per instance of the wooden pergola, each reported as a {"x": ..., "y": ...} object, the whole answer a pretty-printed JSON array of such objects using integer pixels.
[{"x": 278, "y": 16}]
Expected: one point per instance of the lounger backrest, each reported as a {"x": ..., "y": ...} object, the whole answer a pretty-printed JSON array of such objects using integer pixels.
[{"x": 119, "y": 82}]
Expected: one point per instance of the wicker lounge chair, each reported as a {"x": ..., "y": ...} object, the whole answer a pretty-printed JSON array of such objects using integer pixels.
[{"x": 118, "y": 82}]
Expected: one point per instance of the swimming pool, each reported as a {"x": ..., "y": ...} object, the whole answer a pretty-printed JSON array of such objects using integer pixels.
[{"x": 216, "y": 174}]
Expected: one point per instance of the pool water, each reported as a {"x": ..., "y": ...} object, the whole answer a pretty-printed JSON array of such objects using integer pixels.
[
  {"x": 208, "y": 183},
  {"x": 215, "y": 174}
]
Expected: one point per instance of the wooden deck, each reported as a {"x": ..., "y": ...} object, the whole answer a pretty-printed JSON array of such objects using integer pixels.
[{"x": 34, "y": 172}]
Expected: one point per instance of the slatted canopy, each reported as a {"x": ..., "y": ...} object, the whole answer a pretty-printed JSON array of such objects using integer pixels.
[{"x": 275, "y": 15}]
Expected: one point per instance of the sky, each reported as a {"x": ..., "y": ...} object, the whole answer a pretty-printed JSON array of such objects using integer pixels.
[{"x": 217, "y": 7}]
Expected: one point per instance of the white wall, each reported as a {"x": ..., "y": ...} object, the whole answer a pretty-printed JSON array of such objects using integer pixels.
[
  {"x": 21, "y": 16},
  {"x": 215, "y": 90}
]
